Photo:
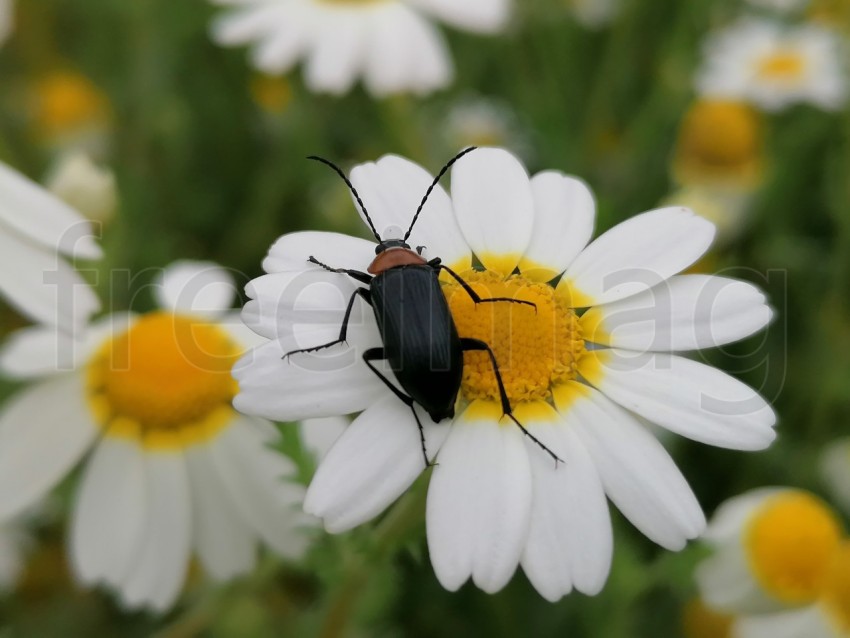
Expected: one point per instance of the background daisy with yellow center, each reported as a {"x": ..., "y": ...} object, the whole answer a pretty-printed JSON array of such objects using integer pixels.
[
  {"x": 170, "y": 468},
  {"x": 576, "y": 380},
  {"x": 775, "y": 66},
  {"x": 781, "y": 566},
  {"x": 391, "y": 44}
]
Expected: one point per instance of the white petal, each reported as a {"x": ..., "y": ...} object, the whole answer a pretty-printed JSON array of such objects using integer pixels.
[
  {"x": 405, "y": 52},
  {"x": 336, "y": 57},
  {"x": 306, "y": 303},
  {"x": 157, "y": 577},
  {"x": 808, "y": 622},
  {"x": 374, "y": 461},
  {"x": 392, "y": 189},
  {"x": 305, "y": 385},
  {"x": 686, "y": 312},
  {"x": 32, "y": 211},
  {"x": 319, "y": 435},
  {"x": 259, "y": 482},
  {"x": 291, "y": 252},
  {"x": 636, "y": 471},
  {"x": 727, "y": 583},
  {"x": 195, "y": 287},
  {"x": 835, "y": 470},
  {"x": 44, "y": 430},
  {"x": 279, "y": 50},
  {"x": 564, "y": 215},
  {"x": 684, "y": 396},
  {"x": 636, "y": 255},
  {"x": 246, "y": 24},
  {"x": 728, "y": 522},
  {"x": 494, "y": 205},
  {"x": 479, "y": 502},
  {"x": 485, "y": 16},
  {"x": 39, "y": 350},
  {"x": 224, "y": 542},
  {"x": 43, "y": 286},
  {"x": 570, "y": 541},
  {"x": 241, "y": 334},
  {"x": 110, "y": 514}
]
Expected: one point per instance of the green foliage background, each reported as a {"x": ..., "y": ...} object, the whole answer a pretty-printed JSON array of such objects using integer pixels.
[{"x": 204, "y": 173}]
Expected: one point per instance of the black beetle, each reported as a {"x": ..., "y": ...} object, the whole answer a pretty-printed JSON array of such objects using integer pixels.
[{"x": 419, "y": 335}]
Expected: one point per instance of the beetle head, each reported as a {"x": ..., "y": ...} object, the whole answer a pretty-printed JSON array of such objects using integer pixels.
[{"x": 386, "y": 244}]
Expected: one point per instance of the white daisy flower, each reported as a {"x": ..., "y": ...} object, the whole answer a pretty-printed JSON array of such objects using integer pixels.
[
  {"x": 173, "y": 469},
  {"x": 835, "y": 469},
  {"x": 496, "y": 498},
  {"x": 774, "y": 66},
  {"x": 81, "y": 183},
  {"x": 391, "y": 44},
  {"x": 482, "y": 121},
  {"x": 594, "y": 14},
  {"x": 780, "y": 6},
  {"x": 36, "y": 230},
  {"x": 7, "y": 22},
  {"x": 782, "y": 563}
]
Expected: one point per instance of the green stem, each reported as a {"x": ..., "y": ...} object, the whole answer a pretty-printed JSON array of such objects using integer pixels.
[{"x": 391, "y": 533}]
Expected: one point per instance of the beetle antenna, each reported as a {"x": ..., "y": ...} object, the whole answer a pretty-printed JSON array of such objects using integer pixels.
[
  {"x": 353, "y": 190},
  {"x": 433, "y": 185}
]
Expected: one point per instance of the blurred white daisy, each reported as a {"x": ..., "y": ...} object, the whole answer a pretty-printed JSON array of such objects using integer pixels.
[
  {"x": 594, "y": 14},
  {"x": 81, "y": 183},
  {"x": 173, "y": 468},
  {"x": 36, "y": 231},
  {"x": 775, "y": 66},
  {"x": 391, "y": 44},
  {"x": 481, "y": 121},
  {"x": 835, "y": 469},
  {"x": 496, "y": 498},
  {"x": 727, "y": 208},
  {"x": 781, "y": 6},
  {"x": 6, "y": 19},
  {"x": 781, "y": 563}
]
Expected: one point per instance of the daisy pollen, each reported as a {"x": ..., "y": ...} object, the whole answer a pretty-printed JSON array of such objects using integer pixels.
[
  {"x": 168, "y": 378},
  {"x": 536, "y": 348},
  {"x": 790, "y": 543}
]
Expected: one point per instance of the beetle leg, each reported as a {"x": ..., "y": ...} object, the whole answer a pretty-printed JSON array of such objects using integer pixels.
[
  {"x": 474, "y": 295},
  {"x": 362, "y": 277},
  {"x": 343, "y": 332},
  {"x": 377, "y": 354},
  {"x": 467, "y": 345}
]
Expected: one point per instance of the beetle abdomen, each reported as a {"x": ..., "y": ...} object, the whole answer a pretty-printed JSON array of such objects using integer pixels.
[{"x": 420, "y": 338}]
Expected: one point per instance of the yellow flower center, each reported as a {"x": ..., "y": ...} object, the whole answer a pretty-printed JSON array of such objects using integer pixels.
[
  {"x": 719, "y": 133},
  {"x": 698, "y": 621},
  {"x": 790, "y": 542},
  {"x": 68, "y": 101},
  {"x": 167, "y": 380},
  {"x": 785, "y": 66},
  {"x": 836, "y": 589},
  {"x": 534, "y": 350}
]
